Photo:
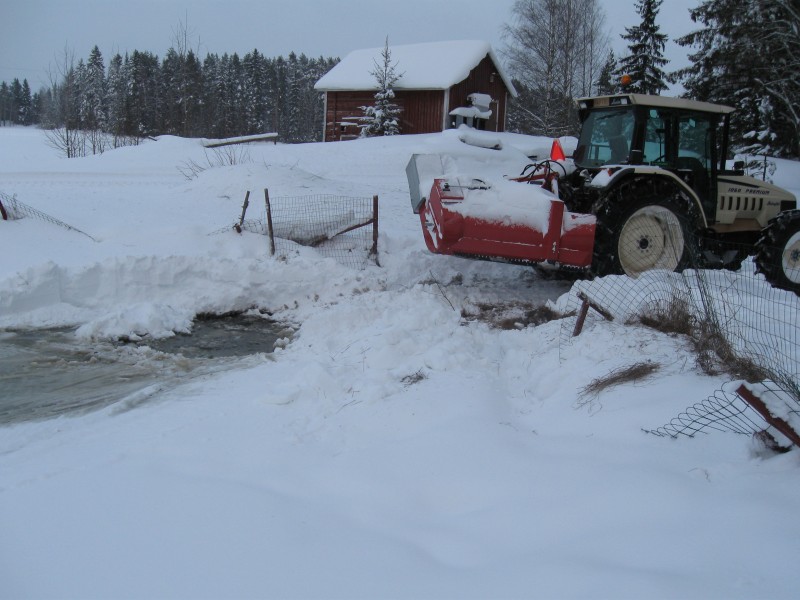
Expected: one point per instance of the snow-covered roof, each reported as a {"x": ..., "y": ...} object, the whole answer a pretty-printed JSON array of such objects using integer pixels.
[{"x": 427, "y": 66}]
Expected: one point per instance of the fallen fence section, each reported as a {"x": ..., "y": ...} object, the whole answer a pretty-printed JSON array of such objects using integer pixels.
[
  {"x": 748, "y": 409},
  {"x": 12, "y": 209},
  {"x": 738, "y": 324}
]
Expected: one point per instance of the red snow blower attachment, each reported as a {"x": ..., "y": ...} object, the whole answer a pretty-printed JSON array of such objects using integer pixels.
[
  {"x": 514, "y": 222},
  {"x": 508, "y": 220}
]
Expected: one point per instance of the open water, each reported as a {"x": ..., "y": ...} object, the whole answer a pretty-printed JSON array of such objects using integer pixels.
[{"x": 46, "y": 373}]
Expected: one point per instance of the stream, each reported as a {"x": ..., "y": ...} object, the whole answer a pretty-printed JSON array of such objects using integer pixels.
[{"x": 46, "y": 373}]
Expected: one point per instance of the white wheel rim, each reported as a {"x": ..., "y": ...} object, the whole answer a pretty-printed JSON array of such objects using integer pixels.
[
  {"x": 652, "y": 238},
  {"x": 790, "y": 261}
]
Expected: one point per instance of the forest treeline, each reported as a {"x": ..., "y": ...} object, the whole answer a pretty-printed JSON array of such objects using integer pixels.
[{"x": 139, "y": 95}]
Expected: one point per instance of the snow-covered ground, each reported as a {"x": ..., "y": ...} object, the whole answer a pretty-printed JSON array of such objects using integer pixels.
[{"x": 393, "y": 449}]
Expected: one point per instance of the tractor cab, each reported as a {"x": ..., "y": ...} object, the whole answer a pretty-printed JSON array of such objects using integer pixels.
[{"x": 685, "y": 137}]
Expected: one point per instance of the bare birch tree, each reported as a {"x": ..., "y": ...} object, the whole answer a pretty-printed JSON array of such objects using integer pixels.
[{"x": 555, "y": 50}]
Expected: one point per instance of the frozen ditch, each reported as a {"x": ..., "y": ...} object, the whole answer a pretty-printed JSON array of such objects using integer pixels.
[{"x": 47, "y": 373}]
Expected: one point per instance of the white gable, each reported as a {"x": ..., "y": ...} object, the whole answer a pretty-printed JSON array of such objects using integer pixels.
[{"x": 430, "y": 66}]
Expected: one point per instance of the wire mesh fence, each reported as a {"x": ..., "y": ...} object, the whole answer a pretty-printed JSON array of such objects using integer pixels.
[
  {"x": 738, "y": 323},
  {"x": 344, "y": 228},
  {"x": 12, "y": 209},
  {"x": 763, "y": 409}
]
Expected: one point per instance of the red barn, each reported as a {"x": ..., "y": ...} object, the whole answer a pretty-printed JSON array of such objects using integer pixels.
[{"x": 441, "y": 85}]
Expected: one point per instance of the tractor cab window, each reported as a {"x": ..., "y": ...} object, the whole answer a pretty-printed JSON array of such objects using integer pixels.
[
  {"x": 694, "y": 152},
  {"x": 694, "y": 134},
  {"x": 681, "y": 142},
  {"x": 655, "y": 138},
  {"x": 605, "y": 138}
]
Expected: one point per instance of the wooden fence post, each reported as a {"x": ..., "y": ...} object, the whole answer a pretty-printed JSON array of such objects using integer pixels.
[
  {"x": 269, "y": 223},
  {"x": 238, "y": 226},
  {"x": 374, "y": 251},
  {"x": 586, "y": 303},
  {"x": 761, "y": 408}
]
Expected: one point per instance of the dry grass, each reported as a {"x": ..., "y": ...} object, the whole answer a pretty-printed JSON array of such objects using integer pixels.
[
  {"x": 714, "y": 354},
  {"x": 409, "y": 380},
  {"x": 510, "y": 316},
  {"x": 635, "y": 373},
  {"x": 675, "y": 318}
]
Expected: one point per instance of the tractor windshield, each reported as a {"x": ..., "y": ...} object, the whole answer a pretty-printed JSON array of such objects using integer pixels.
[{"x": 605, "y": 138}]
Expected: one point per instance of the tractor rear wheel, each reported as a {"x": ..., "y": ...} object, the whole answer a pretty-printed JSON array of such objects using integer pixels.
[
  {"x": 778, "y": 252},
  {"x": 655, "y": 231}
]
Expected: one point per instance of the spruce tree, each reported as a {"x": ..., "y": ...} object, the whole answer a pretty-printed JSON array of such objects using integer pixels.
[
  {"x": 747, "y": 55},
  {"x": 25, "y": 109},
  {"x": 93, "y": 93},
  {"x": 293, "y": 97},
  {"x": 646, "y": 46},
  {"x": 171, "y": 115},
  {"x": 5, "y": 104},
  {"x": 383, "y": 117},
  {"x": 16, "y": 102},
  {"x": 116, "y": 99},
  {"x": 606, "y": 85},
  {"x": 192, "y": 90},
  {"x": 255, "y": 92}
]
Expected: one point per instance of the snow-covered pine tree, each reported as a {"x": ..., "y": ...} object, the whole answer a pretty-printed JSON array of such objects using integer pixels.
[
  {"x": 747, "y": 56},
  {"x": 192, "y": 94},
  {"x": 383, "y": 117},
  {"x": 293, "y": 95},
  {"x": 5, "y": 104},
  {"x": 25, "y": 110},
  {"x": 255, "y": 92},
  {"x": 93, "y": 92},
  {"x": 646, "y": 46},
  {"x": 306, "y": 98},
  {"x": 144, "y": 98},
  {"x": 171, "y": 116},
  {"x": 116, "y": 100},
  {"x": 92, "y": 102}
]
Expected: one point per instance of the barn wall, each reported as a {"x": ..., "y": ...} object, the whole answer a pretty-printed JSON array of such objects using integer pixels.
[
  {"x": 421, "y": 112},
  {"x": 341, "y": 110}
]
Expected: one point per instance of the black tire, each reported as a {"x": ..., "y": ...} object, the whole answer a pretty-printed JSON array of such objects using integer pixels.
[
  {"x": 645, "y": 224},
  {"x": 778, "y": 252}
]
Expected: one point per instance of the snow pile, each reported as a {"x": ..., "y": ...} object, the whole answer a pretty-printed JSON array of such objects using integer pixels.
[
  {"x": 505, "y": 202},
  {"x": 396, "y": 447}
]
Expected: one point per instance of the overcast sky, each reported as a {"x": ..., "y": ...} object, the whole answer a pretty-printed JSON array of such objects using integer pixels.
[{"x": 35, "y": 34}]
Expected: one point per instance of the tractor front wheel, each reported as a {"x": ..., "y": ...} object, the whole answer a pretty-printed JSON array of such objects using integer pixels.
[
  {"x": 655, "y": 232},
  {"x": 652, "y": 237},
  {"x": 778, "y": 252}
]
